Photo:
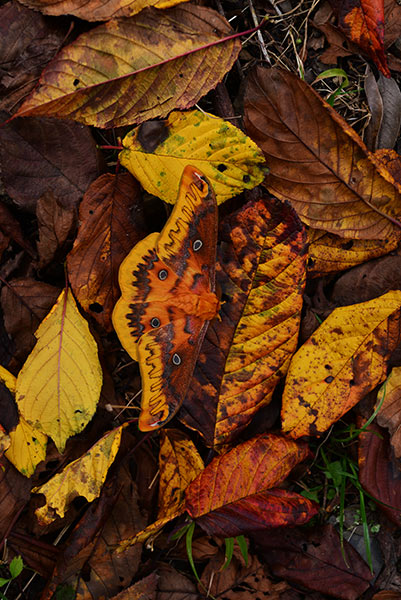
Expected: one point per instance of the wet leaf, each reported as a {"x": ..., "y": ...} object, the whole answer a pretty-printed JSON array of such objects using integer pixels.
[
  {"x": 261, "y": 271},
  {"x": 107, "y": 232},
  {"x": 158, "y": 151},
  {"x": 179, "y": 464},
  {"x": 234, "y": 495},
  {"x": 59, "y": 385},
  {"x": 317, "y": 161},
  {"x": 55, "y": 222},
  {"x": 27, "y": 449},
  {"x": 363, "y": 22},
  {"x": 116, "y": 74},
  {"x": 389, "y": 415},
  {"x": 83, "y": 477},
  {"x": 341, "y": 362}
]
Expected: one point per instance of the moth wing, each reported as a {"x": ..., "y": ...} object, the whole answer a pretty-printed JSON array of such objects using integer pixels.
[{"x": 167, "y": 358}]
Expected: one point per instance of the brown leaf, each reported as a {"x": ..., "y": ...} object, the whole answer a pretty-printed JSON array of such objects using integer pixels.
[
  {"x": 55, "y": 223},
  {"x": 378, "y": 472},
  {"x": 106, "y": 234},
  {"x": 384, "y": 98},
  {"x": 46, "y": 155},
  {"x": 14, "y": 494},
  {"x": 316, "y": 159},
  {"x": 25, "y": 303},
  {"x": 174, "y": 585},
  {"x": 389, "y": 415},
  {"x": 12, "y": 229},
  {"x": 313, "y": 559},
  {"x": 261, "y": 271},
  {"x": 116, "y": 74},
  {"x": 145, "y": 589},
  {"x": 392, "y": 19},
  {"x": 28, "y": 41}
]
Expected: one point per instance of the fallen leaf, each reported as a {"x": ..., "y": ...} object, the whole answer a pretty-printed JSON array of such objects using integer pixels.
[
  {"x": 46, "y": 155},
  {"x": 379, "y": 473},
  {"x": 236, "y": 492},
  {"x": 12, "y": 229},
  {"x": 14, "y": 495},
  {"x": 389, "y": 415},
  {"x": 316, "y": 159},
  {"x": 329, "y": 253},
  {"x": 344, "y": 359},
  {"x": 107, "y": 232},
  {"x": 312, "y": 558},
  {"x": 83, "y": 477},
  {"x": 59, "y": 385},
  {"x": 145, "y": 589},
  {"x": 27, "y": 449},
  {"x": 392, "y": 20},
  {"x": 156, "y": 153},
  {"x": 363, "y": 22},
  {"x": 384, "y": 98},
  {"x": 25, "y": 302},
  {"x": 261, "y": 270},
  {"x": 173, "y": 585},
  {"x": 179, "y": 464},
  {"x": 130, "y": 82},
  {"x": 55, "y": 223},
  {"x": 391, "y": 162}
]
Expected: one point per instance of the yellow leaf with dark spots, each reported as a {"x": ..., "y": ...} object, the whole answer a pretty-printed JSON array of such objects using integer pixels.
[
  {"x": 27, "y": 448},
  {"x": 341, "y": 362},
  {"x": 83, "y": 477},
  {"x": 157, "y": 152},
  {"x": 58, "y": 387}
]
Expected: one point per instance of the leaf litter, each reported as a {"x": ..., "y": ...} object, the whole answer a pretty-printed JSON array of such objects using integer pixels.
[{"x": 292, "y": 413}]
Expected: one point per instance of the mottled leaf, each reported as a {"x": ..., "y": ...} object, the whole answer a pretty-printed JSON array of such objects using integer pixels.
[
  {"x": 83, "y": 477},
  {"x": 261, "y": 271},
  {"x": 157, "y": 152},
  {"x": 131, "y": 70},
  {"x": 341, "y": 362},
  {"x": 59, "y": 385},
  {"x": 233, "y": 494},
  {"x": 27, "y": 449},
  {"x": 108, "y": 229},
  {"x": 316, "y": 159}
]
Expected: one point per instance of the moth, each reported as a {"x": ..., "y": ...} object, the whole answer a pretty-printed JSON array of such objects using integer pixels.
[{"x": 168, "y": 299}]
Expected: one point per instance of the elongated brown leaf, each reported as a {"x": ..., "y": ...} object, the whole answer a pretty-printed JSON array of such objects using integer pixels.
[
  {"x": 262, "y": 271},
  {"x": 233, "y": 494},
  {"x": 112, "y": 76},
  {"x": 316, "y": 159},
  {"x": 106, "y": 234}
]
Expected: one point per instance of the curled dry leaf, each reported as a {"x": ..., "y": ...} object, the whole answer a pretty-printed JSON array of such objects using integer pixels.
[
  {"x": 116, "y": 74},
  {"x": 83, "y": 477},
  {"x": 261, "y": 270},
  {"x": 106, "y": 234},
  {"x": 233, "y": 494},
  {"x": 156, "y": 153},
  {"x": 342, "y": 361},
  {"x": 317, "y": 161},
  {"x": 59, "y": 385}
]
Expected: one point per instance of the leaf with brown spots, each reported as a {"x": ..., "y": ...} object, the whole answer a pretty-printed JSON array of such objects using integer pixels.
[
  {"x": 134, "y": 69},
  {"x": 237, "y": 492},
  {"x": 261, "y": 272},
  {"x": 110, "y": 225},
  {"x": 341, "y": 362},
  {"x": 317, "y": 161}
]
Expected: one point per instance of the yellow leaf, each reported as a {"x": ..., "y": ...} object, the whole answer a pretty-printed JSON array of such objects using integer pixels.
[
  {"x": 341, "y": 362},
  {"x": 59, "y": 385},
  {"x": 8, "y": 379},
  {"x": 230, "y": 160},
  {"x": 179, "y": 464},
  {"x": 83, "y": 477},
  {"x": 27, "y": 448},
  {"x": 151, "y": 530}
]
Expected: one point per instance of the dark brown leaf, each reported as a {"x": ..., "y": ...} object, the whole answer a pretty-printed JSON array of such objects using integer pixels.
[
  {"x": 14, "y": 494},
  {"x": 56, "y": 222}
]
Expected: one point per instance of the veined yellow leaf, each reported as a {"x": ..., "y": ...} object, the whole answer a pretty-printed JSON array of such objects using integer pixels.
[
  {"x": 83, "y": 477},
  {"x": 8, "y": 379},
  {"x": 59, "y": 385},
  {"x": 27, "y": 448},
  {"x": 156, "y": 154}
]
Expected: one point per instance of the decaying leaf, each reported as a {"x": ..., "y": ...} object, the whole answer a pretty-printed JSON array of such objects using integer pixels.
[
  {"x": 59, "y": 385},
  {"x": 233, "y": 494},
  {"x": 179, "y": 464},
  {"x": 389, "y": 415},
  {"x": 83, "y": 477},
  {"x": 156, "y": 152},
  {"x": 317, "y": 161},
  {"x": 341, "y": 362},
  {"x": 55, "y": 223},
  {"x": 107, "y": 232},
  {"x": 261, "y": 271},
  {"x": 27, "y": 448},
  {"x": 131, "y": 70},
  {"x": 384, "y": 98}
]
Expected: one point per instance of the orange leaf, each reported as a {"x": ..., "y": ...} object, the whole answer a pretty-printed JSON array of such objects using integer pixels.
[
  {"x": 233, "y": 493},
  {"x": 317, "y": 161},
  {"x": 131, "y": 70},
  {"x": 363, "y": 22},
  {"x": 261, "y": 270}
]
